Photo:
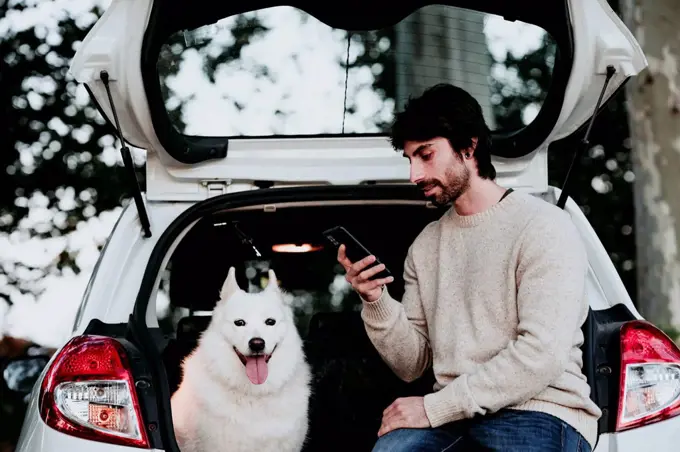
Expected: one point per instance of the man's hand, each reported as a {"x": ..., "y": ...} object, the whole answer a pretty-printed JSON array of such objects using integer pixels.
[
  {"x": 407, "y": 412},
  {"x": 369, "y": 290}
]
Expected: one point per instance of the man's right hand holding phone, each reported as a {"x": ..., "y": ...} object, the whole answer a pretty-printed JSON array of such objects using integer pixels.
[{"x": 360, "y": 277}]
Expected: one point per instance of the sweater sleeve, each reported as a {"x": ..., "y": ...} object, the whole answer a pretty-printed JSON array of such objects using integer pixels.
[
  {"x": 551, "y": 274},
  {"x": 399, "y": 330}
]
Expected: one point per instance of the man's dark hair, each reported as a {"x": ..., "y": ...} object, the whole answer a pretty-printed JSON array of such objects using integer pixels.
[{"x": 449, "y": 112}]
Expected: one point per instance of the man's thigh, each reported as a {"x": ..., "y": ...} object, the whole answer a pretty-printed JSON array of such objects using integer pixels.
[
  {"x": 526, "y": 431},
  {"x": 418, "y": 440}
]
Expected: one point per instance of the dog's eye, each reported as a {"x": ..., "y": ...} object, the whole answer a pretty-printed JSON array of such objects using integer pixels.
[
  {"x": 239, "y": 322},
  {"x": 270, "y": 322}
]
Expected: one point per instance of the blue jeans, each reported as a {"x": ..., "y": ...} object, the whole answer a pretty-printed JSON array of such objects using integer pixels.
[{"x": 506, "y": 431}]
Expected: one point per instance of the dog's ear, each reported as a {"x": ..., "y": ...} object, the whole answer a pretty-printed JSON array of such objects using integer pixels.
[
  {"x": 230, "y": 286},
  {"x": 272, "y": 284}
]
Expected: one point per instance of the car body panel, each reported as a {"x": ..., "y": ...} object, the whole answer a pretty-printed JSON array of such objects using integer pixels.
[
  {"x": 661, "y": 436},
  {"x": 312, "y": 162}
]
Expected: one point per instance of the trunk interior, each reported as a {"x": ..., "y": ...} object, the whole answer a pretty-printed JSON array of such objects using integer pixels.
[{"x": 351, "y": 385}]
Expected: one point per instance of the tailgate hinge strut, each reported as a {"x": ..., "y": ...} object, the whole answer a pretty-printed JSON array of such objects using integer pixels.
[
  {"x": 128, "y": 162},
  {"x": 583, "y": 145}
]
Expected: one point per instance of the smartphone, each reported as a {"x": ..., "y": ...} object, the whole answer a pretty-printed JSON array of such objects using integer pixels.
[{"x": 353, "y": 248}]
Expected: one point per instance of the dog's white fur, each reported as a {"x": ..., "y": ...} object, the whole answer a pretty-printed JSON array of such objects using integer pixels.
[{"x": 216, "y": 407}]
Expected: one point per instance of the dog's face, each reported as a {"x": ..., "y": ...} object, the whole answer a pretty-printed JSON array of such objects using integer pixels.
[{"x": 253, "y": 324}]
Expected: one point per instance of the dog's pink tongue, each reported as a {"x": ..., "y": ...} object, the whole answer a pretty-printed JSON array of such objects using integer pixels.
[{"x": 256, "y": 369}]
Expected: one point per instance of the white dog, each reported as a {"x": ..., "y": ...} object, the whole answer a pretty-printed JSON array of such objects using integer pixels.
[{"x": 246, "y": 386}]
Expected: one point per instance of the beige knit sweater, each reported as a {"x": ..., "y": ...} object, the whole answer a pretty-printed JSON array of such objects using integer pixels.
[{"x": 495, "y": 302}]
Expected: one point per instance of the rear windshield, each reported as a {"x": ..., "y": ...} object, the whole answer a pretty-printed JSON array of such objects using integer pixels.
[{"x": 281, "y": 72}]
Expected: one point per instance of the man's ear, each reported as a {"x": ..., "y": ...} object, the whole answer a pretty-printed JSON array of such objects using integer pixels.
[
  {"x": 470, "y": 151},
  {"x": 473, "y": 146}
]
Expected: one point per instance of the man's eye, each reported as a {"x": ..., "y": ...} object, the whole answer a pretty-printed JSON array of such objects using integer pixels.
[{"x": 427, "y": 156}]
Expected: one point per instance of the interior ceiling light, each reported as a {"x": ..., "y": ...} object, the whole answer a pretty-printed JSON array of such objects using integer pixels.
[{"x": 295, "y": 248}]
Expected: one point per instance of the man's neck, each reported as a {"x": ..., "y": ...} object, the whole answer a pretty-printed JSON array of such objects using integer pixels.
[{"x": 481, "y": 195}]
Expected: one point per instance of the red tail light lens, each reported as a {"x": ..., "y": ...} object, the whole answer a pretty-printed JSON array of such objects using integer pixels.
[
  {"x": 650, "y": 376},
  {"x": 88, "y": 392}
]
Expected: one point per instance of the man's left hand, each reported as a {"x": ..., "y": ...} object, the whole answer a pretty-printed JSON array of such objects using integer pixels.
[{"x": 407, "y": 412}]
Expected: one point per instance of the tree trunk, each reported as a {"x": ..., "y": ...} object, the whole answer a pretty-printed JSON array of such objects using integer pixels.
[{"x": 654, "y": 114}]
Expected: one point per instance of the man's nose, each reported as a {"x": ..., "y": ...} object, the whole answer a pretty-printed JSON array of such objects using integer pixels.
[{"x": 416, "y": 173}]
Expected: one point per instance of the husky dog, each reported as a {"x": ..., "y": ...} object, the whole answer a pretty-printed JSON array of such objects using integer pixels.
[{"x": 246, "y": 385}]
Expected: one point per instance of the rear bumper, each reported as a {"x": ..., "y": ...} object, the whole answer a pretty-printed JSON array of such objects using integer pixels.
[
  {"x": 660, "y": 437},
  {"x": 36, "y": 436}
]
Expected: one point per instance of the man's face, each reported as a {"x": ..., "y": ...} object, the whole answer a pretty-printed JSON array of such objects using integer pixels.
[{"x": 437, "y": 169}]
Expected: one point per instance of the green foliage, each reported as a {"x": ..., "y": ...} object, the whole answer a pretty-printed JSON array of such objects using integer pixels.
[{"x": 54, "y": 146}]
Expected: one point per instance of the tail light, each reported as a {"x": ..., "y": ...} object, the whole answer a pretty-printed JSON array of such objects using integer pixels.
[
  {"x": 650, "y": 376},
  {"x": 88, "y": 392}
]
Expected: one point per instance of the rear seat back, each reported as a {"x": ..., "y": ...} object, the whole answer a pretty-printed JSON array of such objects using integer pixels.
[
  {"x": 189, "y": 330},
  {"x": 351, "y": 384}
]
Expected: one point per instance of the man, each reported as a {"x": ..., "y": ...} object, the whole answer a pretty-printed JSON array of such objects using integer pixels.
[{"x": 494, "y": 300}]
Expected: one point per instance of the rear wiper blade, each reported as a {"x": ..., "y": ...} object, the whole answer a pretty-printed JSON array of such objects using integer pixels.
[{"x": 585, "y": 142}]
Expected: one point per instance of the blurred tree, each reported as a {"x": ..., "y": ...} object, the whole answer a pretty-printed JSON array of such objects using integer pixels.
[
  {"x": 245, "y": 29},
  {"x": 60, "y": 162},
  {"x": 58, "y": 159},
  {"x": 654, "y": 109},
  {"x": 373, "y": 51}
]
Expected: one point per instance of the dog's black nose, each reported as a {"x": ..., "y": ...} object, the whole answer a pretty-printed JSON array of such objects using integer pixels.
[{"x": 256, "y": 344}]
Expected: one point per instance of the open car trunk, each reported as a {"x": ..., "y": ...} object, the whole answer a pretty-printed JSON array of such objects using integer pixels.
[{"x": 351, "y": 385}]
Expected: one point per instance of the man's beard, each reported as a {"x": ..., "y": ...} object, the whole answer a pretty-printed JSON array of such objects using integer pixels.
[{"x": 450, "y": 190}]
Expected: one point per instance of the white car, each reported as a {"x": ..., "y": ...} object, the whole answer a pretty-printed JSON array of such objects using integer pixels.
[{"x": 211, "y": 202}]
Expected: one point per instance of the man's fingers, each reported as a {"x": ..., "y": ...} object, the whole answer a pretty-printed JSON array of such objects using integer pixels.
[
  {"x": 383, "y": 281},
  {"x": 358, "y": 277},
  {"x": 393, "y": 418},
  {"x": 374, "y": 283},
  {"x": 367, "y": 283},
  {"x": 342, "y": 258},
  {"x": 359, "y": 266},
  {"x": 391, "y": 424},
  {"x": 387, "y": 411},
  {"x": 405, "y": 412},
  {"x": 341, "y": 253},
  {"x": 384, "y": 428},
  {"x": 367, "y": 274},
  {"x": 393, "y": 410}
]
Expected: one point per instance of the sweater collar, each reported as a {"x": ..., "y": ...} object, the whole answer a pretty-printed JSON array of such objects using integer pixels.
[{"x": 468, "y": 221}]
